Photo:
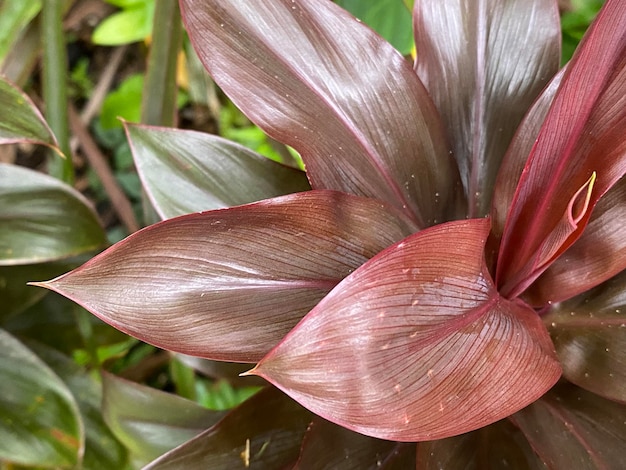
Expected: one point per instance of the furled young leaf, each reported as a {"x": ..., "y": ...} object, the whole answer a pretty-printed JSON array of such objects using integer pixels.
[
  {"x": 327, "y": 446},
  {"x": 40, "y": 423},
  {"x": 589, "y": 333},
  {"x": 500, "y": 445},
  {"x": 42, "y": 219},
  {"x": 263, "y": 432},
  {"x": 187, "y": 171},
  {"x": 584, "y": 134},
  {"x": 148, "y": 421},
  {"x": 572, "y": 428},
  {"x": 417, "y": 344},
  {"x": 20, "y": 120},
  {"x": 484, "y": 63},
  {"x": 347, "y": 101},
  {"x": 207, "y": 284}
]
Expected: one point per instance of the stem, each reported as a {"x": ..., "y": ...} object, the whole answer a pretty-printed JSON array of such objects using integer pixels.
[{"x": 55, "y": 86}]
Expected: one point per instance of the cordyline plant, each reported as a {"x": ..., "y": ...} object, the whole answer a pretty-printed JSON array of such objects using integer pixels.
[{"x": 457, "y": 265}]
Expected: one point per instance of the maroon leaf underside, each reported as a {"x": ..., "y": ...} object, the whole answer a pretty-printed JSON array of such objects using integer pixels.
[
  {"x": 584, "y": 132},
  {"x": 264, "y": 432},
  {"x": 229, "y": 284},
  {"x": 187, "y": 171},
  {"x": 315, "y": 78},
  {"x": 484, "y": 63},
  {"x": 417, "y": 344},
  {"x": 572, "y": 428},
  {"x": 589, "y": 334},
  {"x": 327, "y": 446}
]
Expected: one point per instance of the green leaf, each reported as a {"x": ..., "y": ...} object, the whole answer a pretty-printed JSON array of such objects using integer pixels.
[
  {"x": 129, "y": 25},
  {"x": 389, "y": 18},
  {"x": 20, "y": 120},
  {"x": 40, "y": 422},
  {"x": 124, "y": 102},
  {"x": 42, "y": 219},
  {"x": 14, "y": 16},
  {"x": 187, "y": 171}
]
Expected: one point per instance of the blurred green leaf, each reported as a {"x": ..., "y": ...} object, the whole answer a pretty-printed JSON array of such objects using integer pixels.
[
  {"x": 20, "y": 120},
  {"x": 575, "y": 22},
  {"x": 132, "y": 24},
  {"x": 124, "y": 102},
  {"x": 39, "y": 420},
  {"x": 390, "y": 18},
  {"x": 14, "y": 16},
  {"x": 221, "y": 395},
  {"x": 42, "y": 219}
]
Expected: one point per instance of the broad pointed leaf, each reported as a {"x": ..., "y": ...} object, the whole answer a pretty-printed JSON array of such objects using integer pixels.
[
  {"x": 572, "y": 428},
  {"x": 500, "y": 445},
  {"x": 264, "y": 432},
  {"x": 187, "y": 171},
  {"x": 229, "y": 284},
  {"x": 584, "y": 133},
  {"x": 589, "y": 333},
  {"x": 148, "y": 421},
  {"x": 327, "y": 446},
  {"x": 41, "y": 424},
  {"x": 313, "y": 77},
  {"x": 484, "y": 62},
  {"x": 42, "y": 219},
  {"x": 417, "y": 344},
  {"x": 20, "y": 120}
]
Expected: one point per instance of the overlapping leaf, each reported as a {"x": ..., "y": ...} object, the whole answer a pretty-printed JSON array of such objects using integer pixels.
[
  {"x": 313, "y": 77},
  {"x": 584, "y": 133},
  {"x": 239, "y": 278},
  {"x": 263, "y": 432},
  {"x": 42, "y": 219},
  {"x": 187, "y": 171},
  {"x": 572, "y": 428},
  {"x": 484, "y": 62},
  {"x": 417, "y": 344}
]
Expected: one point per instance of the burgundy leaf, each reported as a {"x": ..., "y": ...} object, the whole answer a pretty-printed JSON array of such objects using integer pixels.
[
  {"x": 589, "y": 333},
  {"x": 314, "y": 77},
  {"x": 572, "y": 428},
  {"x": 596, "y": 256},
  {"x": 500, "y": 445},
  {"x": 187, "y": 171},
  {"x": 584, "y": 133},
  {"x": 229, "y": 284},
  {"x": 417, "y": 344},
  {"x": 484, "y": 63},
  {"x": 327, "y": 446},
  {"x": 264, "y": 432}
]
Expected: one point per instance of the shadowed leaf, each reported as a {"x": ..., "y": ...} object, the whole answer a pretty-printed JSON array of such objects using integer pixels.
[
  {"x": 187, "y": 171},
  {"x": 192, "y": 283},
  {"x": 42, "y": 219},
  {"x": 313, "y": 77},
  {"x": 417, "y": 344},
  {"x": 484, "y": 63}
]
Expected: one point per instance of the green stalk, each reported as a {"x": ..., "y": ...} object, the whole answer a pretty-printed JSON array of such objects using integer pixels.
[{"x": 55, "y": 86}]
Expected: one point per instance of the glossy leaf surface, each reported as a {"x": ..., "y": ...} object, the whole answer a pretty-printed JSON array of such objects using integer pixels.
[
  {"x": 187, "y": 171},
  {"x": 263, "y": 432},
  {"x": 417, "y": 344},
  {"x": 313, "y": 77},
  {"x": 327, "y": 446},
  {"x": 589, "y": 333},
  {"x": 148, "y": 421},
  {"x": 584, "y": 132},
  {"x": 20, "y": 120},
  {"x": 572, "y": 428},
  {"x": 40, "y": 423},
  {"x": 500, "y": 445},
  {"x": 484, "y": 62},
  {"x": 261, "y": 265},
  {"x": 42, "y": 219}
]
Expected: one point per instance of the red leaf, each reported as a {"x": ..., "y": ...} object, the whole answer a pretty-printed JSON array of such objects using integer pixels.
[
  {"x": 313, "y": 77},
  {"x": 584, "y": 132},
  {"x": 417, "y": 344},
  {"x": 229, "y": 284},
  {"x": 484, "y": 63}
]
